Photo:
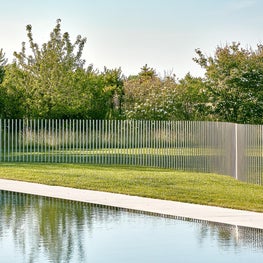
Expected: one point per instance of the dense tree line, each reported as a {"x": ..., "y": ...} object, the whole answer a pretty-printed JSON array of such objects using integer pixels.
[{"x": 52, "y": 81}]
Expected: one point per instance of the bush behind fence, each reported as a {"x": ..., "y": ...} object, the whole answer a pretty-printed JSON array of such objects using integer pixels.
[{"x": 224, "y": 148}]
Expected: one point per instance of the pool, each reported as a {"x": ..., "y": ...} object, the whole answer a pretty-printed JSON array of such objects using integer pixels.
[{"x": 41, "y": 229}]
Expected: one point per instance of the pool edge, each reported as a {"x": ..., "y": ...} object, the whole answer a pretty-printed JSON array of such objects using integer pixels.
[{"x": 134, "y": 203}]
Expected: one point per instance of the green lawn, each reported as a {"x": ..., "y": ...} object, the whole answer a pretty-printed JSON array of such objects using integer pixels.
[{"x": 190, "y": 187}]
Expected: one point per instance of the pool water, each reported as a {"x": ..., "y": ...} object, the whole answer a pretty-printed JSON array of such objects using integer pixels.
[{"x": 39, "y": 229}]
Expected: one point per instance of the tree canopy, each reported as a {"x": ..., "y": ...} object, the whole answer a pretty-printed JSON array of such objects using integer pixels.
[
  {"x": 234, "y": 78},
  {"x": 52, "y": 81}
]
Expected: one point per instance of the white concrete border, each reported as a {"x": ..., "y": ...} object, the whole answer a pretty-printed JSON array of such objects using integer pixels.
[{"x": 162, "y": 207}]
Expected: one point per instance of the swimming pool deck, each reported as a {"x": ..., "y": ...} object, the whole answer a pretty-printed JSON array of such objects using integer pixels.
[{"x": 155, "y": 206}]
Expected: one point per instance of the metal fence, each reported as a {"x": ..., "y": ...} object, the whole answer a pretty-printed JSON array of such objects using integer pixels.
[{"x": 223, "y": 148}]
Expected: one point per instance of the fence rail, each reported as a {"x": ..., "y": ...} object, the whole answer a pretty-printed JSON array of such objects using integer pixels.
[{"x": 223, "y": 148}]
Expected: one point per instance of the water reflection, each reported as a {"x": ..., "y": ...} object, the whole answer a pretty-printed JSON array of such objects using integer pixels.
[
  {"x": 232, "y": 236},
  {"x": 49, "y": 226},
  {"x": 45, "y": 229}
]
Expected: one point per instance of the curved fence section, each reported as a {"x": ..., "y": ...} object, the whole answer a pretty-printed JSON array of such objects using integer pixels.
[{"x": 223, "y": 148}]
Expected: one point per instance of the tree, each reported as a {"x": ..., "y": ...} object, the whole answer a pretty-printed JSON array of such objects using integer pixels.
[
  {"x": 147, "y": 96},
  {"x": 147, "y": 72},
  {"x": 3, "y": 62},
  {"x": 234, "y": 77},
  {"x": 49, "y": 76},
  {"x": 113, "y": 92},
  {"x": 13, "y": 93},
  {"x": 51, "y": 82},
  {"x": 193, "y": 99}
]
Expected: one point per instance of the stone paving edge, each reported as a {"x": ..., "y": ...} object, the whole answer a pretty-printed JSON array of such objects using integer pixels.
[{"x": 135, "y": 203}]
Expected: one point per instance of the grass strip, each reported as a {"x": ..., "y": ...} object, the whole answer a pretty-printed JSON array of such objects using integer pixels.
[{"x": 166, "y": 184}]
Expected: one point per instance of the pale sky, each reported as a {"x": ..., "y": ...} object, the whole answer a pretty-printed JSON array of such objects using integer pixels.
[{"x": 131, "y": 33}]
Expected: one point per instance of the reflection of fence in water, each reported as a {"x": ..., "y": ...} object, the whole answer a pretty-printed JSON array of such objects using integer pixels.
[
  {"x": 224, "y": 148},
  {"x": 239, "y": 236}
]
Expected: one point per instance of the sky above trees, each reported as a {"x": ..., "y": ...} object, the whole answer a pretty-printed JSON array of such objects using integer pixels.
[{"x": 129, "y": 34}]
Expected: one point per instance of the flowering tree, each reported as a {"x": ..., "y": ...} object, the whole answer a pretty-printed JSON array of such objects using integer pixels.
[{"x": 147, "y": 96}]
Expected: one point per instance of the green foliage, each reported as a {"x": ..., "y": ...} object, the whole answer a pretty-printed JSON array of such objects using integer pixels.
[
  {"x": 234, "y": 77},
  {"x": 193, "y": 99},
  {"x": 113, "y": 92},
  {"x": 51, "y": 82},
  {"x": 147, "y": 72},
  {"x": 50, "y": 75},
  {"x": 14, "y": 90},
  {"x": 149, "y": 97},
  {"x": 3, "y": 62}
]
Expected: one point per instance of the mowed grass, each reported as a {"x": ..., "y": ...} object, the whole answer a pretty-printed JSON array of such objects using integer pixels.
[{"x": 167, "y": 184}]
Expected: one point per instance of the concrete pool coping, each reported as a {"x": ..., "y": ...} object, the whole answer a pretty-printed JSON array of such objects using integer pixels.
[{"x": 135, "y": 203}]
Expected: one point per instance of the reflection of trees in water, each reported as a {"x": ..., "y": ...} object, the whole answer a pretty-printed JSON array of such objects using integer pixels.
[
  {"x": 56, "y": 227},
  {"x": 50, "y": 225}
]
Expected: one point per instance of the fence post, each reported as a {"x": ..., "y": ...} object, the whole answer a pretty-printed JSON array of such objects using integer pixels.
[{"x": 236, "y": 152}]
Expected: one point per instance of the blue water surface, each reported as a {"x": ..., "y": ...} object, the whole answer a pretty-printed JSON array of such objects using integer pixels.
[{"x": 38, "y": 229}]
